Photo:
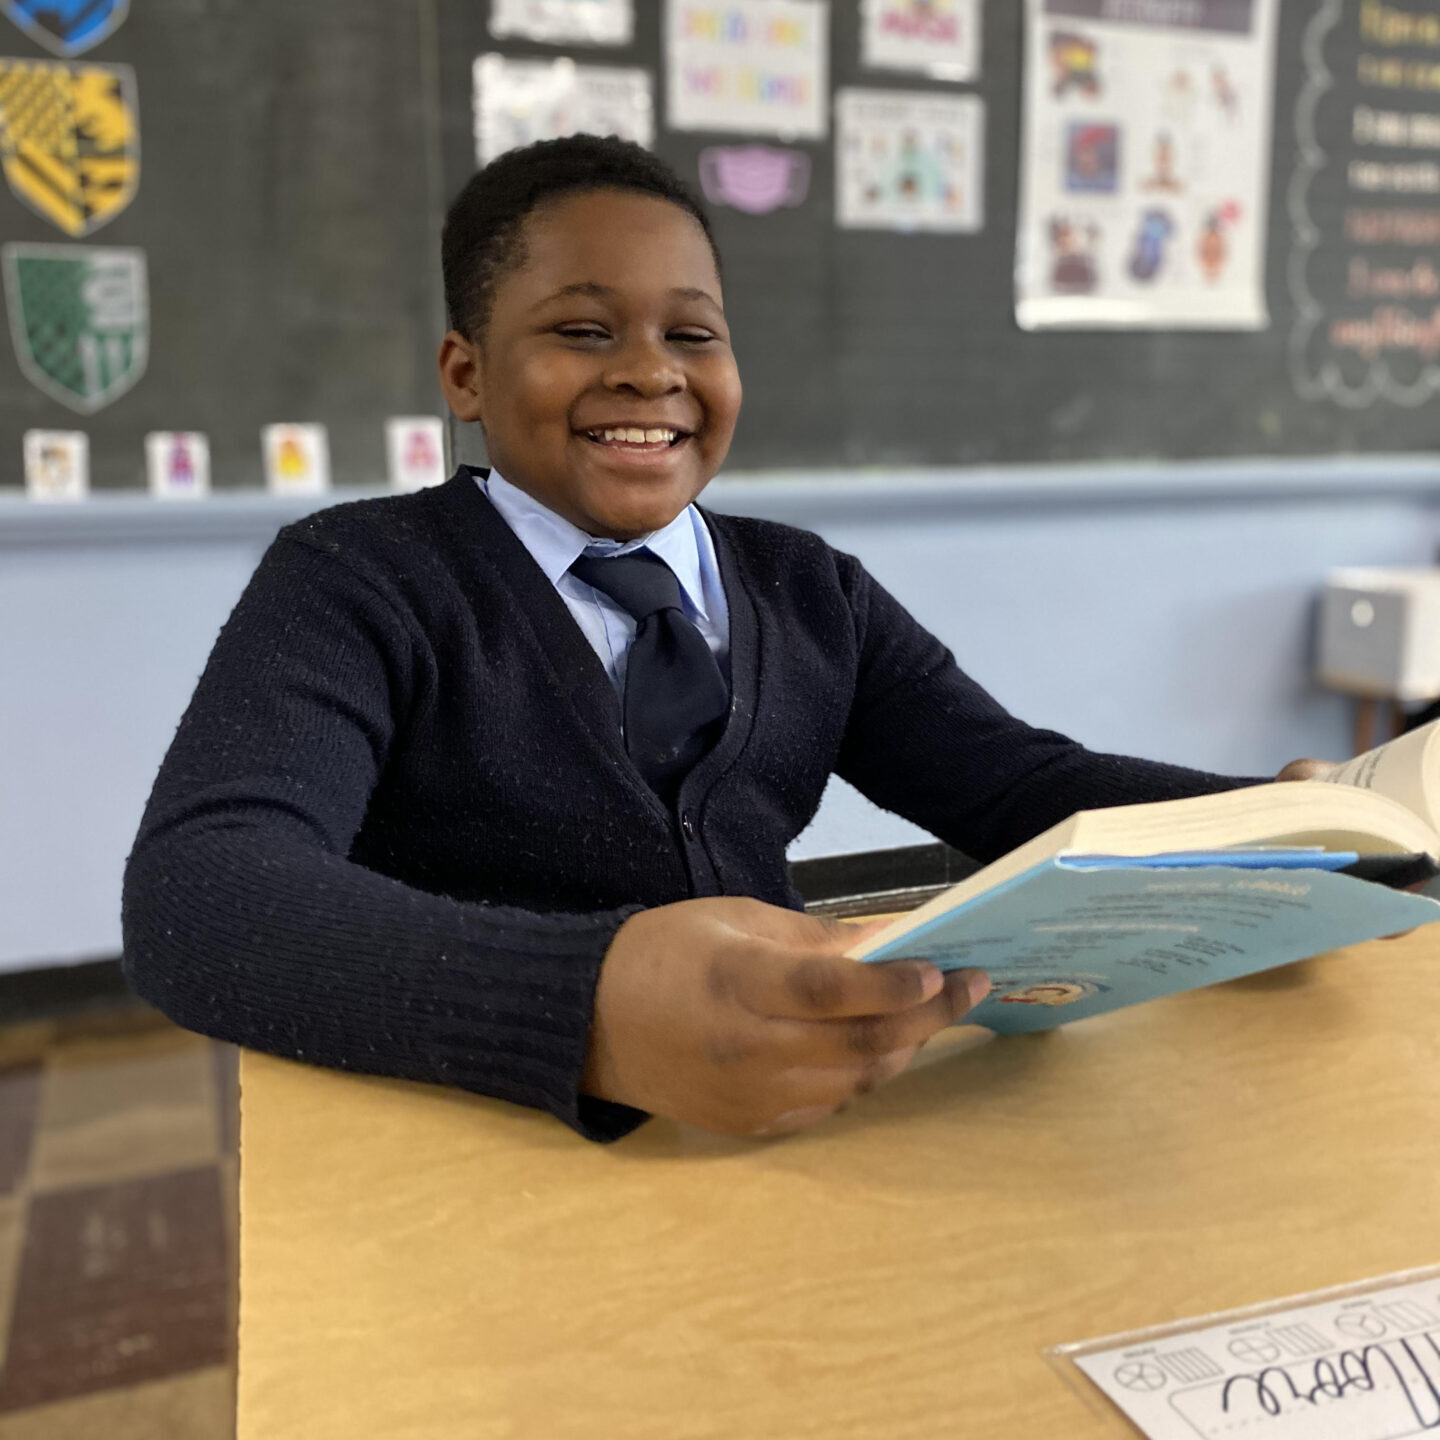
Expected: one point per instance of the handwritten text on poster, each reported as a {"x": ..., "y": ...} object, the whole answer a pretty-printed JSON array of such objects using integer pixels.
[{"x": 751, "y": 66}]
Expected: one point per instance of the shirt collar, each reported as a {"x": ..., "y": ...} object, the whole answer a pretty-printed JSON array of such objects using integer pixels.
[{"x": 555, "y": 544}]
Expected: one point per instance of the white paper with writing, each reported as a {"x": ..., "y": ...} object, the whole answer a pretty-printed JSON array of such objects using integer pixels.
[
  {"x": 939, "y": 38},
  {"x": 518, "y": 102},
  {"x": 556, "y": 22},
  {"x": 756, "y": 67},
  {"x": 1362, "y": 1367}
]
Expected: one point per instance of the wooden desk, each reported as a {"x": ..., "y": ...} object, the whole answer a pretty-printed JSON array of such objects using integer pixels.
[{"x": 419, "y": 1263}]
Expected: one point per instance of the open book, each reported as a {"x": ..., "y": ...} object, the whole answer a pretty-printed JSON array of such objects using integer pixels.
[{"x": 1112, "y": 907}]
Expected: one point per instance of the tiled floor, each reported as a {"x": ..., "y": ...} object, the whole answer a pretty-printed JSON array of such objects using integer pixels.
[{"x": 117, "y": 1230}]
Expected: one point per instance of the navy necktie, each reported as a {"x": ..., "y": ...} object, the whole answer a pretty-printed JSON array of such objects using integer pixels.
[{"x": 675, "y": 697}]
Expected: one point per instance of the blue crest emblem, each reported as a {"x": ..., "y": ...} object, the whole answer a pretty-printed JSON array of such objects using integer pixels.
[{"x": 67, "y": 27}]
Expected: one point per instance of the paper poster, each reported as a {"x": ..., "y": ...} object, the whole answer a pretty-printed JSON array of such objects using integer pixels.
[
  {"x": 57, "y": 464},
  {"x": 70, "y": 140},
  {"x": 909, "y": 160},
  {"x": 1365, "y": 207},
  {"x": 178, "y": 464},
  {"x": 520, "y": 101},
  {"x": 297, "y": 459},
  {"x": 939, "y": 38},
  {"x": 1145, "y": 164},
  {"x": 1363, "y": 1365},
  {"x": 415, "y": 445},
  {"x": 754, "y": 178},
  {"x": 562, "y": 22},
  {"x": 79, "y": 319},
  {"x": 756, "y": 67}
]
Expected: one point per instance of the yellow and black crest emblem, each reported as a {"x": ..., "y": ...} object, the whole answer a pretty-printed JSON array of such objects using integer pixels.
[{"x": 70, "y": 140}]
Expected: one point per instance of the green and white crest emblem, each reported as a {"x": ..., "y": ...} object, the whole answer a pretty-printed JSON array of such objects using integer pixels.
[{"x": 80, "y": 319}]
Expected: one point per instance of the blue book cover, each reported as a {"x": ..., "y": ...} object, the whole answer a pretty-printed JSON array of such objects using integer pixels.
[{"x": 1077, "y": 936}]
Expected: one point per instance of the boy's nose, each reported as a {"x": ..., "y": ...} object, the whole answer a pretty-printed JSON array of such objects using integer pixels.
[{"x": 644, "y": 369}]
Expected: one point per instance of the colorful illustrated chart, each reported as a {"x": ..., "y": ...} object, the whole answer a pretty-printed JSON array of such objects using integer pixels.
[
  {"x": 1145, "y": 164},
  {"x": 520, "y": 101},
  {"x": 1365, "y": 207},
  {"x": 909, "y": 160},
  {"x": 939, "y": 38},
  {"x": 563, "y": 22},
  {"x": 755, "y": 67}
]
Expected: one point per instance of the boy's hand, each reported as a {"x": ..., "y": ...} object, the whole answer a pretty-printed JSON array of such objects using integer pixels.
[
  {"x": 1317, "y": 770},
  {"x": 748, "y": 1019}
]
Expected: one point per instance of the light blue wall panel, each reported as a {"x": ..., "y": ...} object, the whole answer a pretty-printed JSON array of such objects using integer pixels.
[
  {"x": 1181, "y": 633},
  {"x": 100, "y": 646}
]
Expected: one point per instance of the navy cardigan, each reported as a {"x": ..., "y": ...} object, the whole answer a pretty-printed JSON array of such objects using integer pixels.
[{"x": 397, "y": 827}]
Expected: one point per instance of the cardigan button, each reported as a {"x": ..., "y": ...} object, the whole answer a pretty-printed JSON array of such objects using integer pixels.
[{"x": 687, "y": 825}]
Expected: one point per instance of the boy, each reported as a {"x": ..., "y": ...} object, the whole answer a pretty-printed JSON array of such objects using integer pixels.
[{"x": 492, "y": 785}]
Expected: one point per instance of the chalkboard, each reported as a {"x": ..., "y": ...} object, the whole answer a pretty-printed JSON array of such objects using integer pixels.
[
  {"x": 297, "y": 158},
  {"x": 289, "y": 224},
  {"x": 866, "y": 348}
]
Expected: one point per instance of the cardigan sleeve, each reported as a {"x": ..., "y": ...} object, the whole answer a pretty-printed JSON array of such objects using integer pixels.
[
  {"x": 927, "y": 742},
  {"x": 245, "y": 920}
]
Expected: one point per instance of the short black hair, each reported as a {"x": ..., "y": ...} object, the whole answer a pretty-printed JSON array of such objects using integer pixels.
[{"x": 482, "y": 238}]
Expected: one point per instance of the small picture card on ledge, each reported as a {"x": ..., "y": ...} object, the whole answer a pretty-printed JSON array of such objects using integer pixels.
[
  {"x": 178, "y": 464},
  {"x": 57, "y": 464},
  {"x": 416, "y": 447},
  {"x": 297, "y": 459}
]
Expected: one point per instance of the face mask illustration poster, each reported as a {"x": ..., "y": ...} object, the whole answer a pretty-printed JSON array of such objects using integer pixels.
[{"x": 1146, "y": 164}]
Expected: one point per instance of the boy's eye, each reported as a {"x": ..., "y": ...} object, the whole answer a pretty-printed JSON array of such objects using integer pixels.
[
  {"x": 582, "y": 332},
  {"x": 692, "y": 337}
]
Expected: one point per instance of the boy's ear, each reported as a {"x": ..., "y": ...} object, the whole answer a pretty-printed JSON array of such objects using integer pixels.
[{"x": 460, "y": 376}]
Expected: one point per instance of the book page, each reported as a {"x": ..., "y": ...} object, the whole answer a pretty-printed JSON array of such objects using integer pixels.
[
  {"x": 1406, "y": 769},
  {"x": 1284, "y": 813},
  {"x": 1361, "y": 1365}
]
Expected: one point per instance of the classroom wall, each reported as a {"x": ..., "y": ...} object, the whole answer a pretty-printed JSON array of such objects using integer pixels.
[{"x": 1164, "y": 611}]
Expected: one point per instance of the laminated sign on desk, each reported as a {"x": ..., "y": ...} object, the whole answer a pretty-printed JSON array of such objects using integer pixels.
[
  {"x": 1117, "y": 906},
  {"x": 1358, "y": 1363}
]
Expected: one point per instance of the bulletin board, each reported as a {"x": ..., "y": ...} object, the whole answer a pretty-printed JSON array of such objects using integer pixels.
[
  {"x": 296, "y": 160},
  {"x": 873, "y": 348},
  {"x": 286, "y": 206}
]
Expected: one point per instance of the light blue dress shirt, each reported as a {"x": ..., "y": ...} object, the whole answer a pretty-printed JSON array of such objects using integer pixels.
[{"x": 685, "y": 545}]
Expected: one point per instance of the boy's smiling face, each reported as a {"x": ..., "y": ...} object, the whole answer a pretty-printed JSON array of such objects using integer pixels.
[{"x": 604, "y": 378}]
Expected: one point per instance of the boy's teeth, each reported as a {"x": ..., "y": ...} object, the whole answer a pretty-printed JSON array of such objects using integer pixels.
[{"x": 632, "y": 435}]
